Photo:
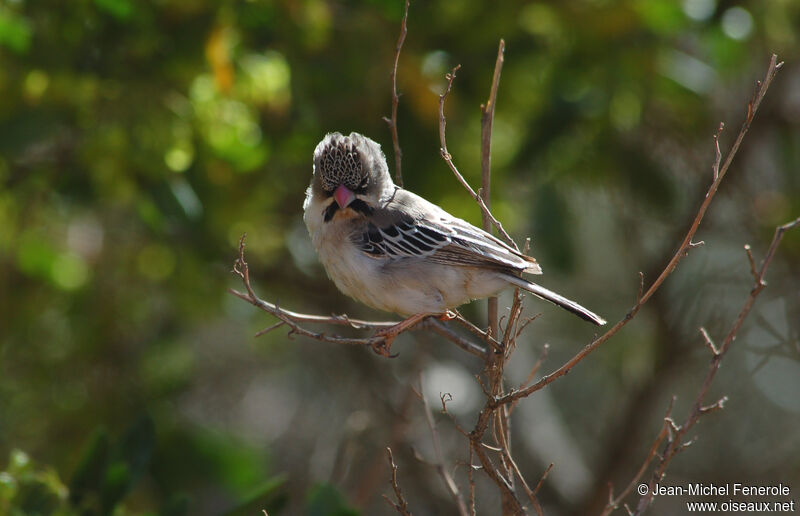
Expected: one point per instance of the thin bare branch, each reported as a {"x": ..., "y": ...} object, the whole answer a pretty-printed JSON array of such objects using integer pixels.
[
  {"x": 451, "y": 486},
  {"x": 677, "y": 444},
  {"x": 717, "y": 152},
  {"x": 542, "y": 479},
  {"x": 448, "y": 158},
  {"x": 487, "y": 121},
  {"x": 752, "y": 261},
  {"x": 392, "y": 122},
  {"x": 293, "y": 320},
  {"x": 718, "y": 405},
  {"x": 506, "y": 489},
  {"x": 401, "y": 506},
  {"x": 471, "y": 481},
  {"x": 528, "y": 491},
  {"x": 613, "y": 503},
  {"x": 536, "y": 366},
  {"x": 685, "y": 245},
  {"x": 641, "y": 288},
  {"x": 270, "y": 328},
  {"x": 708, "y": 342},
  {"x": 441, "y": 329},
  {"x": 483, "y": 335}
]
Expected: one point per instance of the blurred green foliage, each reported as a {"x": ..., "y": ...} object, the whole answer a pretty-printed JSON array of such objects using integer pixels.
[{"x": 139, "y": 140}]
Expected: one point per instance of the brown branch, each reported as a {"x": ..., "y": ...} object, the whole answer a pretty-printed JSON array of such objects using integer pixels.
[
  {"x": 471, "y": 481},
  {"x": 496, "y": 400},
  {"x": 752, "y": 107},
  {"x": 752, "y": 261},
  {"x": 506, "y": 489},
  {"x": 401, "y": 506},
  {"x": 684, "y": 247},
  {"x": 536, "y": 506},
  {"x": 542, "y": 479},
  {"x": 448, "y": 158},
  {"x": 392, "y": 122},
  {"x": 717, "y": 152},
  {"x": 677, "y": 443},
  {"x": 451, "y": 486},
  {"x": 293, "y": 320},
  {"x": 531, "y": 495},
  {"x": 441, "y": 329},
  {"x": 708, "y": 342},
  {"x": 241, "y": 269},
  {"x": 613, "y": 503},
  {"x": 487, "y": 121},
  {"x": 483, "y": 335}
]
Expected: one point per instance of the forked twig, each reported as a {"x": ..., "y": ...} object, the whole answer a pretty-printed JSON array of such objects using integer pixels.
[
  {"x": 685, "y": 245},
  {"x": 448, "y": 158},
  {"x": 677, "y": 443},
  {"x": 294, "y": 320}
]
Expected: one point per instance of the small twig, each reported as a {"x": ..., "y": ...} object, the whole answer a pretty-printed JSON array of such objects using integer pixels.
[
  {"x": 448, "y": 158},
  {"x": 613, "y": 503},
  {"x": 491, "y": 470},
  {"x": 718, "y": 405},
  {"x": 641, "y": 288},
  {"x": 487, "y": 120},
  {"x": 717, "y": 153},
  {"x": 676, "y": 444},
  {"x": 753, "y": 270},
  {"x": 392, "y": 122},
  {"x": 451, "y": 486},
  {"x": 445, "y": 398},
  {"x": 270, "y": 328},
  {"x": 241, "y": 269},
  {"x": 443, "y": 330},
  {"x": 510, "y": 334},
  {"x": 471, "y": 482},
  {"x": 483, "y": 335},
  {"x": 535, "y": 369},
  {"x": 685, "y": 245},
  {"x": 708, "y": 342},
  {"x": 293, "y": 320},
  {"x": 401, "y": 506},
  {"x": 528, "y": 491},
  {"x": 542, "y": 479}
]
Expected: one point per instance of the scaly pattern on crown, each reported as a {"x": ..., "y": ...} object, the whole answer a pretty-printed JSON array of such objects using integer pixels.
[{"x": 340, "y": 164}]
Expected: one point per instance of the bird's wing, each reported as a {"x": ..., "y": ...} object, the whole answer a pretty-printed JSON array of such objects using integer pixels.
[{"x": 408, "y": 226}]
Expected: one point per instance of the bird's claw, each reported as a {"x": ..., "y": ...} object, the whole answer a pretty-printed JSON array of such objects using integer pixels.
[{"x": 383, "y": 345}]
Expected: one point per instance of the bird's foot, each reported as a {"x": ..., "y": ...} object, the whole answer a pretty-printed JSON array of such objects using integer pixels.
[
  {"x": 383, "y": 346},
  {"x": 448, "y": 316}
]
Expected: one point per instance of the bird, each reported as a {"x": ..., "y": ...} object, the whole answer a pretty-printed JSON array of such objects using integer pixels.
[{"x": 393, "y": 250}]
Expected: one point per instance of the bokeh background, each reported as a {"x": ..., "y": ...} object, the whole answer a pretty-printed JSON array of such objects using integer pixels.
[{"x": 139, "y": 140}]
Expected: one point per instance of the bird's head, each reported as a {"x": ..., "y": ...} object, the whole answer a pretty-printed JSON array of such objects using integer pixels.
[{"x": 351, "y": 170}]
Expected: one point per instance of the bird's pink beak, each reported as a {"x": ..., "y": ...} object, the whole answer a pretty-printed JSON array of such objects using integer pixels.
[{"x": 344, "y": 196}]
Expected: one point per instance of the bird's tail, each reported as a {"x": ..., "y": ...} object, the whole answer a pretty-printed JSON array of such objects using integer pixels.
[{"x": 556, "y": 299}]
